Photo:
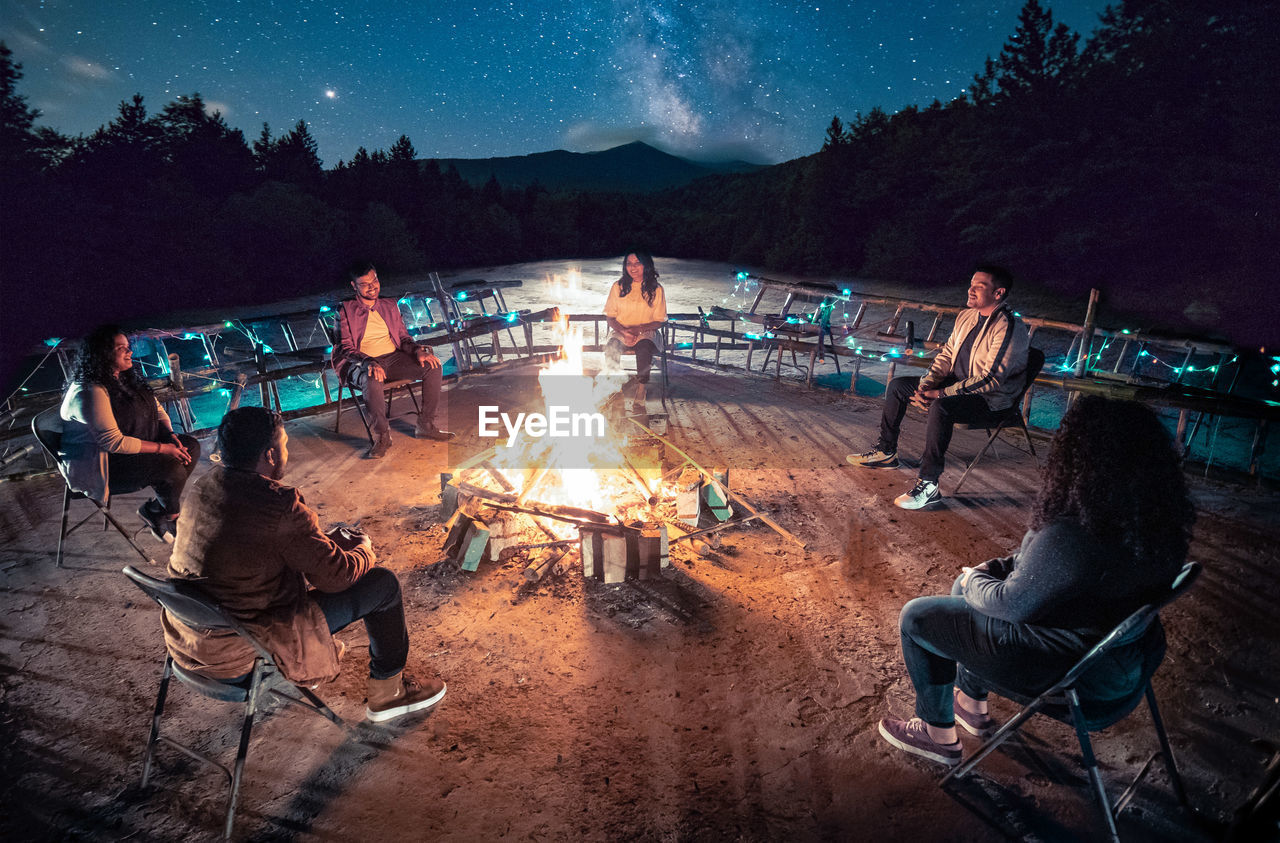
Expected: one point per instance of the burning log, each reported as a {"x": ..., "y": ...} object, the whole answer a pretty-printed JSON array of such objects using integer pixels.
[
  {"x": 509, "y": 501},
  {"x": 614, "y": 555}
]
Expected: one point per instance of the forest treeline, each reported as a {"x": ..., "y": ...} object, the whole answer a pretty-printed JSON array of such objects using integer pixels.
[{"x": 1142, "y": 159}]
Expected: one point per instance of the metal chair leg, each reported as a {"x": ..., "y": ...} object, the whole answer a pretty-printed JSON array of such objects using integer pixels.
[
  {"x": 1091, "y": 764},
  {"x": 165, "y": 676},
  {"x": 62, "y": 531},
  {"x": 251, "y": 709},
  {"x": 974, "y": 461},
  {"x": 1170, "y": 764}
]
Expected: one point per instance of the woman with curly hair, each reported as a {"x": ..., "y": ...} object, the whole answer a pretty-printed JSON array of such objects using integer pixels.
[
  {"x": 113, "y": 427},
  {"x": 1109, "y": 533},
  {"x": 636, "y": 311}
]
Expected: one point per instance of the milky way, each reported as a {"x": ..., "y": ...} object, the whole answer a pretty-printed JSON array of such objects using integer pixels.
[{"x": 751, "y": 79}]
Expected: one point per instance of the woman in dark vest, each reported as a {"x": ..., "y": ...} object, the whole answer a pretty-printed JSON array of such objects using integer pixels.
[{"x": 117, "y": 438}]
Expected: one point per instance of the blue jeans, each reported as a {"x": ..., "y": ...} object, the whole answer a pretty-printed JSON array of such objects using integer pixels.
[
  {"x": 376, "y": 598},
  {"x": 946, "y": 643}
]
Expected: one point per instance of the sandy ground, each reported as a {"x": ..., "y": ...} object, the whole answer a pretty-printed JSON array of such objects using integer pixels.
[{"x": 735, "y": 698}]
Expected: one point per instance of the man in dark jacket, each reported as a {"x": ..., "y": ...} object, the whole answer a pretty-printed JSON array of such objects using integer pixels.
[
  {"x": 975, "y": 376},
  {"x": 258, "y": 550},
  {"x": 373, "y": 348}
]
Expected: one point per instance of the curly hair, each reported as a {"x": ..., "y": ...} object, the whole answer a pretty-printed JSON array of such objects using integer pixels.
[
  {"x": 93, "y": 364},
  {"x": 1114, "y": 470},
  {"x": 649, "y": 287}
]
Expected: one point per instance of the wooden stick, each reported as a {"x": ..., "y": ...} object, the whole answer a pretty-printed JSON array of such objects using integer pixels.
[
  {"x": 496, "y": 474},
  {"x": 536, "y": 480},
  {"x": 778, "y": 528},
  {"x": 537, "y": 570},
  {"x": 717, "y": 528}
]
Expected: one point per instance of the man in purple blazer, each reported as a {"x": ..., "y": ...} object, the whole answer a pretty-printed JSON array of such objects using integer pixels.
[{"x": 374, "y": 348}]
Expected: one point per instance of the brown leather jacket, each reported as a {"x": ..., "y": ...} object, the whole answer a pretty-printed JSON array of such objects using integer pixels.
[{"x": 255, "y": 545}]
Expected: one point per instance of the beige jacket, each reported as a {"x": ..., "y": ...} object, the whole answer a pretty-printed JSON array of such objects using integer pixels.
[{"x": 997, "y": 359}]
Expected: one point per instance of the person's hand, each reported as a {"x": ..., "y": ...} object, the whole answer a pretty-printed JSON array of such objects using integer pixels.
[
  {"x": 376, "y": 372},
  {"x": 175, "y": 450},
  {"x": 922, "y": 398},
  {"x": 967, "y": 575},
  {"x": 183, "y": 454},
  {"x": 426, "y": 358},
  {"x": 366, "y": 542}
]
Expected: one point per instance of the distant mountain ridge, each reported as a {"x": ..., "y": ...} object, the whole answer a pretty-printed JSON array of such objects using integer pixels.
[{"x": 631, "y": 168}]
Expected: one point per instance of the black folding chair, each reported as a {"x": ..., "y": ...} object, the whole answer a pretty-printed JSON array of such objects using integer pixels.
[
  {"x": 1065, "y": 703},
  {"x": 1009, "y": 418},
  {"x": 390, "y": 388},
  {"x": 47, "y": 428},
  {"x": 188, "y": 603}
]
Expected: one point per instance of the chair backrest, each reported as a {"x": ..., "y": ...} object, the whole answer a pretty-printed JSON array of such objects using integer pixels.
[
  {"x": 47, "y": 428},
  {"x": 189, "y": 603},
  {"x": 1133, "y": 627},
  {"x": 1035, "y": 362}
]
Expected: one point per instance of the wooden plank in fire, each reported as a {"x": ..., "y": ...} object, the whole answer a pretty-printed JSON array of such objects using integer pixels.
[{"x": 711, "y": 478}]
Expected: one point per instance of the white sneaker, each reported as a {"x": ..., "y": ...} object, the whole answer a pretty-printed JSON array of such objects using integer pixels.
[{"x": 924, "y": 493}]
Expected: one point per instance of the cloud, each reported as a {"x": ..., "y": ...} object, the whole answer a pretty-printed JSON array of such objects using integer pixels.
[
  {"x": 86, "y": 70},
  {"x": 593, "y": 137},
  {"x": 212, "y": 107}
]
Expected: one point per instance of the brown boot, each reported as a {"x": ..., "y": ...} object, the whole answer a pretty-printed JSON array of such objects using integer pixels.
[{"x": 401, "y": 694}]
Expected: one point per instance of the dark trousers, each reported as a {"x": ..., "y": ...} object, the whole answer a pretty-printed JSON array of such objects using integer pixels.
[
  {"x": 165, "y": 475},
  {"x": 946, "y": 643},
  {"x": 943, "y": 415},
  {"x": 644, "y": 349},
  {"x": 375, "y": 598},
  {"x": 399, "y": 367}
]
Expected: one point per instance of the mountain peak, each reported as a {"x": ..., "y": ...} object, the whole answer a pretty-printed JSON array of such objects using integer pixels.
[{"x": 634, "y": 167}]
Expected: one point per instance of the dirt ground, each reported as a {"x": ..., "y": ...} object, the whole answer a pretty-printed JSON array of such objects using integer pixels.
[{"x": 736, "y": 698}]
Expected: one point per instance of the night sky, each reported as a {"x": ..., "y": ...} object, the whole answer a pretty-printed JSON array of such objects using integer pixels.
[{"x": 752, "y": 79}]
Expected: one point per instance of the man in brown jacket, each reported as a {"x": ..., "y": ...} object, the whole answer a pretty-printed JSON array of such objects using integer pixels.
[{"x": 256, "y": 547}]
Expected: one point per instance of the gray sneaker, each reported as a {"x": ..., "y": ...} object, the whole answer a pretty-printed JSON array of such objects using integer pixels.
[
  {"x": 875, "y": 458},
  {"x": 924, "y": 493},
  {"x": 380, "y": 447}
]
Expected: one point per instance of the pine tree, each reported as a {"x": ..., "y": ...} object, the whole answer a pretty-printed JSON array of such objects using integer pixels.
[
  {"x": 17, "y": 120},
  {"x": 835, "y": 135}
]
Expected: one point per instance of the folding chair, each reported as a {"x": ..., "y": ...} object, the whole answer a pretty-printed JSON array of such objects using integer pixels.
[
  {"x": 661, "y": 356},
  {"x": 47, "y": 428},
  {"x": 1064, "y": 702},
  {"x": 1011, "y": 417},
  {"x": 390, "y": 388},
  {"x": 187, "y": 602}
]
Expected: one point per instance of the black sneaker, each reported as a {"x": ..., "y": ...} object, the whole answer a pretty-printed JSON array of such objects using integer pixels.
[
  {"x": 153, "y": 515},
  {"x": 877, "y": 457},
  {"x": 913, "y": 736}
]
